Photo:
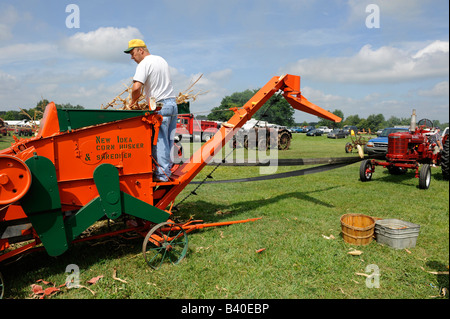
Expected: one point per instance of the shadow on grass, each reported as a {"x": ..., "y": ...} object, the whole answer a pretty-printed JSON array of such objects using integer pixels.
[
  {"x": 19, "y": 275},
  {"x": 403, "y": 179},
  {"x": 438, "y": 176},
  {"x": 205, "y": 210},
  {"x": 22, "y": 273},
  {"x": 442, "y": 276},
  {"x": 382, "y": 175}
]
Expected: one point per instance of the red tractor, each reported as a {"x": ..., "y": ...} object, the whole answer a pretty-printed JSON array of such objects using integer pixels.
[{"x": 414, "y": 149}]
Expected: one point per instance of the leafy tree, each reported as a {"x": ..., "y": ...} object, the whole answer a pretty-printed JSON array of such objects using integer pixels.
[
  {"x": 352, "y": 120},
  {"x": 13, "y": 116},
  {"x": 35, "y": 113},
  {"x": 276, "y": 110},
  {"x": 363, "y": 124},
  {"x": 331, "y": 124},
  {"x": 393, "y": 121},
  {"x": 237, "y": 99},
  {"x": 374, "y": 122},
  {"x": 222, "y": 112}
]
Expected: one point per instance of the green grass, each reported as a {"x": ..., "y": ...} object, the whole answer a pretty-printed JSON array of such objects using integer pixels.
[{"x": 298, "y": 262}]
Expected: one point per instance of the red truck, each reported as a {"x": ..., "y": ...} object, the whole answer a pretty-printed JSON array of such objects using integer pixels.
[{"x": 196, "y": 130}]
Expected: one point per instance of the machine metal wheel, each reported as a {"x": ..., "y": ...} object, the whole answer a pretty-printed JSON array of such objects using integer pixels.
[
  {"x": 284, "y": 140},
  {"x": 425, "y": 123},
  {"x": 425, "y": 176},
  {"x": 445, "y": 160},
  {"x": 246, "y": 142},
  {"x": 263, "y": 144},
  {"x": 2, "y": 286},
  {"x": 348, "y": 147},
  {"x": 15, "y": 179},
  {"x": 365, "y": 171},
  {"x": 165, "y": 241}
]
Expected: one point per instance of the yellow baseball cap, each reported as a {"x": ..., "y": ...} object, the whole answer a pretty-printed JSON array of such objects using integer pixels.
[{"x": 135, "y": 43}]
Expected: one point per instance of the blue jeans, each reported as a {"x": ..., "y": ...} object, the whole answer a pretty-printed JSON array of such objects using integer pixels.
[{"x": 161, "y": 151}]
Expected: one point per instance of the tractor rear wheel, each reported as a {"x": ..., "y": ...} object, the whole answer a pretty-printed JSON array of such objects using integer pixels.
[
  {"x": 425, "y": 176},
  {"x": 365, "y": 171},
  {"x": 444, "y": 161},
  {"x": 284, "y": 140}
]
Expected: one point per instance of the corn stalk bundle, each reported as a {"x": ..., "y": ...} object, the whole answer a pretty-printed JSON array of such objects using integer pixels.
[
  {"x": 122, "y": 100},
  {"x": 189, "y": 94}
]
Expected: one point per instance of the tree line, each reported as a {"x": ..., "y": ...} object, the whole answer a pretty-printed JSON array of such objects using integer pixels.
[
  {"x": 34, "y": 113},
  {"x": 278, "y": 111},
  {"x": 373, "y": 122}
]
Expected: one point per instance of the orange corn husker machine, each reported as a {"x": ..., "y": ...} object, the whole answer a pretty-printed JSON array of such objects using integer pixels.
[{"x": 88, "y": 165}]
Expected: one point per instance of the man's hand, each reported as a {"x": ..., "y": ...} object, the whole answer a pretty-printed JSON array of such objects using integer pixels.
[{"x": 136, "y": 91}]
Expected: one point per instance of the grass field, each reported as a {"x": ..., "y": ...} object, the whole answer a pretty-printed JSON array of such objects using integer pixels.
[{"x": 298, "y": 261}]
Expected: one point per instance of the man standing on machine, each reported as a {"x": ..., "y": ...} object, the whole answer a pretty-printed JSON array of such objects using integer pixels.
[{"x": 153, "y": 77}]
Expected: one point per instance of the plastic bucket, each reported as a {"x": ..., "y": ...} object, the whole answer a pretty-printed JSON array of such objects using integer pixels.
[{"x": 357, "y": 229}]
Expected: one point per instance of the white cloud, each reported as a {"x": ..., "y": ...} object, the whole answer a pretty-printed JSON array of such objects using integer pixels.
[
  {"x": 433, "y": 48},
  {"x": 381, "y": 103},
  {"x": 8, "y": 83},
  {"x": 27, "y": 52},
  {"x": 211, "y": 84},
  {"x": 5, "y": 32},
  {"x": 5, "y": 77},
  {"x": 72, "y": 75},
  {"x": 105, "y": 43},
  {"x": 385, "y": 64},
  {"x": 8, "y": 18},
  {"x": 400, "y": 10},
  {"x": 12, "y": 94},
  {"x": 91, "y": 96},
  {"x": 441, "y": 89}
]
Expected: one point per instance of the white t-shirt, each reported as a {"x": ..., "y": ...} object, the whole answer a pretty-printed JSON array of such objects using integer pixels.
[{"x": 153, "y": 72}]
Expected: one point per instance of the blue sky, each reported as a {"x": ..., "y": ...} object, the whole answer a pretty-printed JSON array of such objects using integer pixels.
[{"x": 236, "y": 45}]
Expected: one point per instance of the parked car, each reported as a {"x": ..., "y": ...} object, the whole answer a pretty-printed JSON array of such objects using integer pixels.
[
  {"x": 379, "y": 145},
  {"x": 348, "y": 128},
  {"x": 324, "y": 129},
  {"x": 315, "y": 132},
  {"x": 295, "y": 129},
  {"x": 337, "y": 133},
  {"x": 308, "y": 128}
]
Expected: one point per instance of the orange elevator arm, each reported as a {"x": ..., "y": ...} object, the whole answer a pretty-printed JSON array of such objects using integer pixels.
[{"x": 289, "y": 84}]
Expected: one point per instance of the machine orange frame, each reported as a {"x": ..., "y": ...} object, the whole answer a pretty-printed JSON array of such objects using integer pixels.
[{"x": 85, "y": 165}]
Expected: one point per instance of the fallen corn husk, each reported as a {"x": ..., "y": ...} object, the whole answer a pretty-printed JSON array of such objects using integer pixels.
[
  {"x": 355, "y": 252},
  {"x": 117, "y": 278}
]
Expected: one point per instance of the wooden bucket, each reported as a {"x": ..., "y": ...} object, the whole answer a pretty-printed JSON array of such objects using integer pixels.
[{"x": 357, "y": 229}]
